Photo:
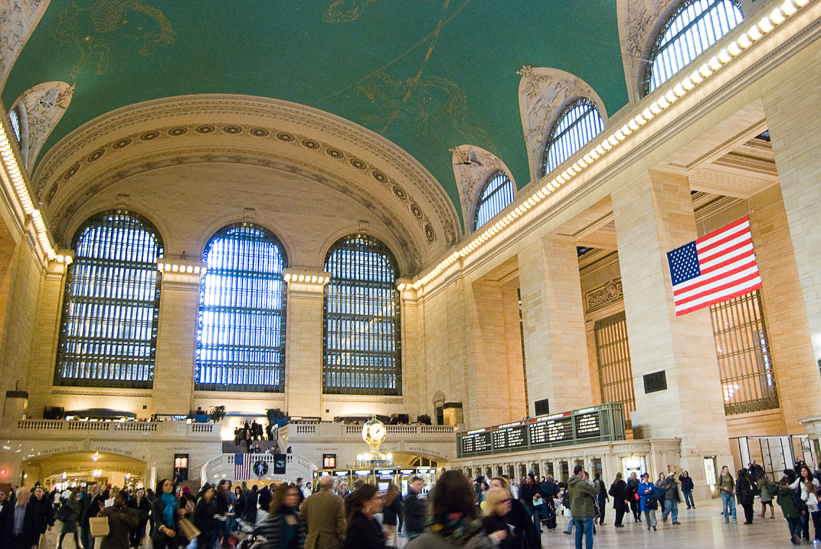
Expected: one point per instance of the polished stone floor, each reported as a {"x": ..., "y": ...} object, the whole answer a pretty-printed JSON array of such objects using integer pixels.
[{"x": 700, "y": 528}]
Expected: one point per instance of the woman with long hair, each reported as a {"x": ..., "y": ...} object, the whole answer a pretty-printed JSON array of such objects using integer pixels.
[
  {"x": 501, "y": 533},
  {"x": 454, "y": 522},
  {"x": 282, "y": 527},
  {"x": 809, "y": 487},
  {"x": 203, "y": 519},
  {"x": 618, "y": 491},
  {"x": 746, "y": 495},
  {"x": 517, "y": 515},
  {"x": 390, "y": 517},
  {"x": 364, "y": 531},
  {"x": 166, "y": 514}
]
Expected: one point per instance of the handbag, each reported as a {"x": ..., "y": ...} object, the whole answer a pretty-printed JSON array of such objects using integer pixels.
[
  {"x": 188, "y": 529},
  {"x": 98, "y": 526}
]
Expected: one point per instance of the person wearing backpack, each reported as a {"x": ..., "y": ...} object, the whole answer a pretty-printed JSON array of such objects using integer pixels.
[
  {"x": 791, "y": 511},
  {"x": 726, "y": 485}
]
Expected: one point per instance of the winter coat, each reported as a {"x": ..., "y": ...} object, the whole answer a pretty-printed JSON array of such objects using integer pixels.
[
  {"x": 324, "y": 517},
  {"x": 787, "y": 503},
  {"x": 581, "y": 502},
  {"x": 416, "y": 511},
  {"x": 648, "y": 501},
  {"x": 271, "y": 529},
  {"x": 363, "y": 533},
  {"x": 618, "y": 491},
  {"x": 429, "y": 540},
  {"x": 686, "y": 483},
  {"x": 120, "y": 522},
  {"x": 69, "y": 514},
  {"x": 390, "y": 515},
  {"x": 515, "y": 539}
]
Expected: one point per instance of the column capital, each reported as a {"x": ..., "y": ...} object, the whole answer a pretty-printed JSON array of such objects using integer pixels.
[
  {"x": 305, "y": 279},
  {"x": 181, "y": 270}
]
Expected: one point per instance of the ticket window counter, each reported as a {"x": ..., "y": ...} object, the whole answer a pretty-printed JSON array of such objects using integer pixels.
[{"x": 383, "y": 478}]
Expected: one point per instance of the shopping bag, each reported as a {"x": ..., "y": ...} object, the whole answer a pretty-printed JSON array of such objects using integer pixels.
[
  {"x": 98, "y": 526},
  {"x": 188, "y": 529}
]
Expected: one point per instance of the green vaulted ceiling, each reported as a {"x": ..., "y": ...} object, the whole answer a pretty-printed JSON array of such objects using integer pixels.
[{"x": 426, "y": 74}]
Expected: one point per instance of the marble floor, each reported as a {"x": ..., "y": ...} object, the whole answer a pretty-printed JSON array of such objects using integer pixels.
[{"x": 700, "y": 528}]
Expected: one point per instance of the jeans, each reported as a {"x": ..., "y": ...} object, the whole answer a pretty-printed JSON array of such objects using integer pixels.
[
  {"x": 569, "y": 529},
  {"x": 535, "y": 513},
  {"x": 650, "y": 518},
  {"x": 670, "y": 506},
  {"x": 688, "y": 499},
  {"x": 728, "y": 504},
  {"x": 584, "y": 527},
  {"x": 794, "y": 523}
]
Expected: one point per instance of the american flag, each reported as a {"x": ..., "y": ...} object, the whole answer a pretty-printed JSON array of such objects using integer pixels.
[
  {"x": 242, "y": 467},
  {"x": 716, "y": 267}
]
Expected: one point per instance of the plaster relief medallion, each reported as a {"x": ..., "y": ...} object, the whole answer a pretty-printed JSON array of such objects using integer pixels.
[
  {"x": 148, "y": 136},
  {"x": 430, "y": 234},
  {"x": 96, "y": 155},
  {"x": 259, "y": 132},
  {"x": 121, "y": 143},
  {"x": 52, "y": 192},
  {"x": 310, "y": 144},
  {"x": 399, "y": 192},
  {"x": 416, "y": 210},
  {"x": 380, "y": 177},
  {"x": 178, "y": 131},
  {"x": 334, "y": 153},
  {"x": 206, "y": 128},
  {"x": 286, "y": 137},
  {"x": 232, "y": 129},
  {"x": 72, "y": 171},
  {"x": 358, "y": 164}
]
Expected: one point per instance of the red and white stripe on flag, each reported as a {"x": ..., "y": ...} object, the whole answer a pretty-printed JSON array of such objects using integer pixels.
[
  {"x": 242, "y": 467},
  {"x": 716, "y": 267}
]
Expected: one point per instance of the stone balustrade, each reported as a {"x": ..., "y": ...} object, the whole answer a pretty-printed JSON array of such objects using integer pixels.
[{"x": 58, "y": 429}]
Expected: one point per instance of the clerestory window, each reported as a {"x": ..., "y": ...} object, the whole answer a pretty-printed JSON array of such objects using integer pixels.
[
  {"x": 497, "y": 194},
  {"x": 578, "y": 123}
]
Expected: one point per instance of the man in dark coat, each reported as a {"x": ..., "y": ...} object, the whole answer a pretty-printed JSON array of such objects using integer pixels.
[
  {"x": 44, "y": 510},
  {"x": 21, "y": 526},
  {"x": 415, "y": 508},
  {"x": 265, "y": 497}
]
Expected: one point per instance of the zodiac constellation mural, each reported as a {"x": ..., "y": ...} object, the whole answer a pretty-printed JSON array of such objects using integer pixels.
[
  {"x": 95, "y": 26},
  {"x": 343, "y": 11}
]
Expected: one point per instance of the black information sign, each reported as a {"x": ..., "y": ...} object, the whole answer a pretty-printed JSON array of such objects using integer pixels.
[
  {"x": 514, "y": 436},
  {"x": 587, "y": 425},
  {"x": 473, "y": 443},
  {"x": 552, "y": 430}
]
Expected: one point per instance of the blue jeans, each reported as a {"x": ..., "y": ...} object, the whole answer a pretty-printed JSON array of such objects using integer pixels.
[
  {"x": 794, "y": 524},
  {"x": 728, "y": 504},
  {"x": 670, "y": 506},
  {"x": 537, "y": 517},
  {"x": 584, "y": 527},
  {"x": 688, "y": 499}
]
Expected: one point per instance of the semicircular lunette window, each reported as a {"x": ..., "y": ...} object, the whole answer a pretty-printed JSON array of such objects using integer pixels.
[
  {"x": 241, "y": 335},
  {"x": 575, "y": 127},
  {"x": 108, "y": 334},
  {"x": 362, "y": 354},
  {"x": 497, "y": 194},
  {"x": 691, "y": 29}
]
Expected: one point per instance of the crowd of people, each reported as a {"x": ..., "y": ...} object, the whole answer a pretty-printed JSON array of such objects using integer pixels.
[{"x": 480, "y": 513}]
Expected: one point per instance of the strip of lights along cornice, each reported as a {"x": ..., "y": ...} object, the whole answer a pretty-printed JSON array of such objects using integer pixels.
[
  {"x": 733, "y": 50},
  {"x": 678, "y": 90}
]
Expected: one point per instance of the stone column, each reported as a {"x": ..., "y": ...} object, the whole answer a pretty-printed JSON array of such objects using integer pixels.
[
  {"x": 653, "y": 215},
  {"x": 46, "y": 337},
  {"x": 303, "y": 358},
  {"x": 177, "y": 338},
  {"x": 794, "y": 121},
  {"x": 554, "y": 333}
]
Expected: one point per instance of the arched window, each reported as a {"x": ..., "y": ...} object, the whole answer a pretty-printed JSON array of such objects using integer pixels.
[
  {"x": 108, "y": 335},
  {"x": 18, "y": 121},
  {"x": 14, "y": 120},
  {"x": 692, "y": 28},
  {"x": 497, "y": 194},
  {"x": 362, "y": 339},
  {"x": 241, "y": 335},
  {"x": 578, "y": 123}
]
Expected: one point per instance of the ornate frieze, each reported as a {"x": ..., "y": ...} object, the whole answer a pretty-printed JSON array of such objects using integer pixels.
[
  {"x": 608, "y": 293},
  {"x": 45, "y": 105},
  {"x": 471, "y": 167}
]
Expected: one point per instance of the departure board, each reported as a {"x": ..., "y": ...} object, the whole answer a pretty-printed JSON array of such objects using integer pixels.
[
  {"x": 587, "y": 424},
  {"x": 510, "y": 436},
  {"x": 473, "y": 443},
  {"x": 552, "y": 430}
]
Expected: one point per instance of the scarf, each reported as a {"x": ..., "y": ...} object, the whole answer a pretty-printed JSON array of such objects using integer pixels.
[
  {"x": 454, "y": 529},
  {"x": 169, "y": 501}
]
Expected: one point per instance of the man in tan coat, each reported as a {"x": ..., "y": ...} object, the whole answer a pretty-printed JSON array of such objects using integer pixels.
[{"x": 324, "y": 516}]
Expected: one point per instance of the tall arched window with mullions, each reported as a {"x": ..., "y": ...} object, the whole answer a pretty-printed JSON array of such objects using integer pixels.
[
  {"x": 362, "y": 338},
  {"x": 691, "y": 29},
  {"x": 241, "y": 335},
  {"x": 497, "y": 194},
  {"x": 577, "y": 124},
  {"x": 108, "y": 334}
]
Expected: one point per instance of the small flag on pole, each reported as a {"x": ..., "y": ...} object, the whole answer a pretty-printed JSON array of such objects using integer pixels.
[
  {"x": 242, "y": 467},
  {"x": 716, "y": 267}
]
